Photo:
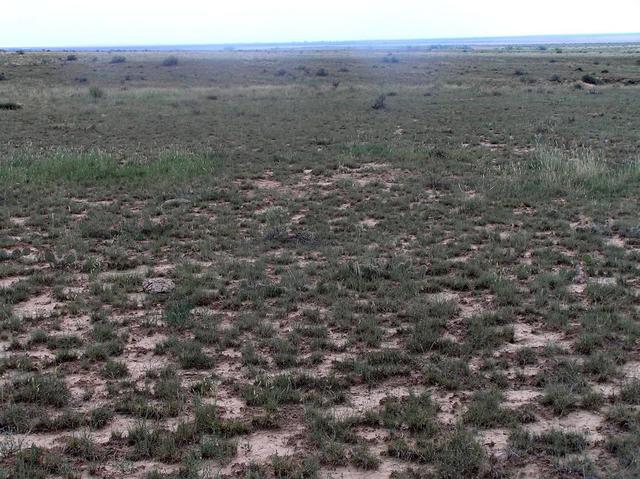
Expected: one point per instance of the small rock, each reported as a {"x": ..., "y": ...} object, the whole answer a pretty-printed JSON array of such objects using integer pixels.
[{"x": 158, "y": 285}]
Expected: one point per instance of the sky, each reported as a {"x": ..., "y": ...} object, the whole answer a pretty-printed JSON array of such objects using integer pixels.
[{"x": 51, "y": 23}]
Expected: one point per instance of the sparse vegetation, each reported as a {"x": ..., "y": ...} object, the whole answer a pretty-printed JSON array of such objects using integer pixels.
[
  {"x": 195, "y": 276},
  {"x": 96, "y": 92}
]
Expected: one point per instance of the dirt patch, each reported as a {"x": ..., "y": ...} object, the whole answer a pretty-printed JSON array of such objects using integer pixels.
[
  {"x": 260, "y": 446},
  {"x": 369, "y": 222},
  {"x": 519, "y": 397},
  {"x": 586, "y": 422},
  {"x": 41, "y": 306},
  {"x": 11, "y": 280},
  {"x": 19, "y": 220},
  {"x": 526, "y": 335},
  {"x": 496, "y": 441},
  {"x": 362, "y": 398},
  {"x": 631, "y": 370}
]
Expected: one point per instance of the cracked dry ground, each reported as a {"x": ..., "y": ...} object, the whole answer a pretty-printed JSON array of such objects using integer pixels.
[{"x": 368, "y": 334}]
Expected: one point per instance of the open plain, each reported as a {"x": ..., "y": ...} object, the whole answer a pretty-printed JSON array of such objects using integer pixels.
[{"x": 419, "y": 263}]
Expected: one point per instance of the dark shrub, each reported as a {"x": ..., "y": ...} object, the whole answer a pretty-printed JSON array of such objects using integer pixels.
[
  {"x": 9, "y": 105},
  {"x": 379, "y": 103},
  {"x": 591, "y": 80},
  {"x": 171, "y": 61}
]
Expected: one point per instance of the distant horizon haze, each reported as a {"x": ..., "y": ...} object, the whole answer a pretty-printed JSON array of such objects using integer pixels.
[
  {"x": 533, "y": 40},
  {"x": 118, "y": 23}
]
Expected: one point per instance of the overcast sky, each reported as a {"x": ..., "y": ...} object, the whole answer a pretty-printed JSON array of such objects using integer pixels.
[{"x": 51, "y": 23}]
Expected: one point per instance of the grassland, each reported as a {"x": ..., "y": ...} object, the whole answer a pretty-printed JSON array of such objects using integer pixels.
[{"x": 231, "y": 265}]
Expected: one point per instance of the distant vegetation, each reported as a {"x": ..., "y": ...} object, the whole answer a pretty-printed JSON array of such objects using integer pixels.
[
  {"x": 170, "y": 61},
  {"x": 96, "y": 92}
]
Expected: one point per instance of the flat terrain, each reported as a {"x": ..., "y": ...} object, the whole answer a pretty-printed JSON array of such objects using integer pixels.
[{"x": 230, "y": 264}]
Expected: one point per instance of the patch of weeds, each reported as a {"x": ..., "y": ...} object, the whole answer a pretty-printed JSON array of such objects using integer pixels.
[
  {"x": 103, "y": 351},
  {"x": 488, "y": 331},
  {"x": 416, "y": 413},
  {"x": 178, "y": 315},
  {"x": 83, "y": 447},
  {"x": 426, "y": 335},
  {"x": 96, "y": 92},
  {"x": 189, "y": 353},
  {"x": 271, "y": 392},
  {"x": 376, "y": 366},
  {"x": 37, "y": 463},
  {"x": 526, "y": 356},
  {"x": 114, "y": 370},
  {"x": 45, "y": 390},
  {"x": 449, "y": 373},
  {"x": 624, "y": 448},
  {"x": 99, "y": 417},
  {"x": 207, "y": 421},
  {"x": 554, "y": 442},
  {"x": 460, "y": 455},
  {"x": 486, "y": 411},
  {"x": 290, "y": 468},
  {"x": 362, "y": 458},
  {"x": 581, "y": 467},
  {"x": 369, "y": 332},
  {"x": 218, "y": 449},
  {"x": 325, "y": 427},
  {"x": 630, "y": 392}
]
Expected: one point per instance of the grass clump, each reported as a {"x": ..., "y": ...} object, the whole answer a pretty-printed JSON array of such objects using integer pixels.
[
  {"x": 44, "y": 390},
  {"x": 553, "y": 171},
  {"x": 416, "y": 413},
  {"x": 95, "y": 92},
  {"x": 37, "y": 463},
  {"x": 460, "y": 455},
  {"x": 554, "y": 442},
  {"x": 96, "y": 168},
  {"x": 271, "y": 392},
  {"x": 114, "y": 370},
  {"x": 630, "y": 392}
]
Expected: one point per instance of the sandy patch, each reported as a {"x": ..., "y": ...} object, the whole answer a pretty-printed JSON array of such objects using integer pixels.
[
  {"x": 39, "y": 306},
  {"x": 260, "y": 446},
  {"x": 369, "y": 222},
  {"x": 631, "y": 370},
  {"x": 10, "y": 281},
  {"x": 585, "y": 422},
  {"x": 526, "y": 335},
  {"x": 362, "y": 399},
  {"x": 519, "y": 397},
  {"x": 496, "y": 441}
]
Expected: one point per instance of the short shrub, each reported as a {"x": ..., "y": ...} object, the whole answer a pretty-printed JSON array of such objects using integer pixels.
[
  {"x": 170, "y": 61},
  {"x": 96, "y": 92},
  {"x": 379, "y": 103},
  {"x": 46, "y": 390}
]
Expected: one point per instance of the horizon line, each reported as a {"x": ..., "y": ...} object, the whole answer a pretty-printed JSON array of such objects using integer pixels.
[{"x": 501, "y": 40}]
